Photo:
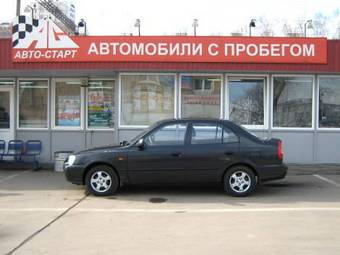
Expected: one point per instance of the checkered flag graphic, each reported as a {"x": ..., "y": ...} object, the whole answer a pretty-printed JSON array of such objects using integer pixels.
[{"x": 21, "y": 26}]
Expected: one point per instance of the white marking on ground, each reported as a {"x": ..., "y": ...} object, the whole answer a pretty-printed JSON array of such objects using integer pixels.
[
  {"x": 12, "y": 176},
  {"x": 8, "y": 177},
  {"x": 327, "y": 180},
  {"x": 180, "y": 210}
]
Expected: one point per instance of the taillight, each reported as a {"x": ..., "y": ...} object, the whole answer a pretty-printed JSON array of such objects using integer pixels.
[{"x": 279, "y": 150}]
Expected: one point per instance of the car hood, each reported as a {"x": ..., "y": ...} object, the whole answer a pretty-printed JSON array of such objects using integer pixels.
[{"x": 112, "y": 147}]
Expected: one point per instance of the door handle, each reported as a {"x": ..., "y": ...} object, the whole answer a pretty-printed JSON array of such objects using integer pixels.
[
  {"x": 176, "y": 154},
  {"x": 229, "y": 153}
]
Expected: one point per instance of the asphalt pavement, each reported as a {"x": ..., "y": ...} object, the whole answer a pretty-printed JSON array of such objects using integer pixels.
[{"x": 41, "y": 213}]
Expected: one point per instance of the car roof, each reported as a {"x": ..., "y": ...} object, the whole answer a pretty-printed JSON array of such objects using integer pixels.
[{"x": 194, "y": 120}]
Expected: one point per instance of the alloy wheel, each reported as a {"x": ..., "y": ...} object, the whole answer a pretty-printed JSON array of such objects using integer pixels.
[
  {"x": 240, "y": 181},
  {"x": 101, "y": 181}
]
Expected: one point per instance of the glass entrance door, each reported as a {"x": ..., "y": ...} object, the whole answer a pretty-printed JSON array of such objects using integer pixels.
[{"x": 6, "y": 114}]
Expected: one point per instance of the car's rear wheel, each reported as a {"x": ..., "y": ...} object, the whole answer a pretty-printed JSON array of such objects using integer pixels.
[
  {"x": 102, "y": 180},
  {"x": 239, "y": 181}
]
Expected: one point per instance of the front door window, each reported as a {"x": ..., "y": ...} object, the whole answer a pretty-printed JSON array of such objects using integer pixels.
[{"x": 173, "y": 134}]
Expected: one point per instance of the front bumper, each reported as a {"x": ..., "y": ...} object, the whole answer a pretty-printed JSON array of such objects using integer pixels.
[
  {"x": 74, "y": 174},
  {"x": 272, "y": 172}
]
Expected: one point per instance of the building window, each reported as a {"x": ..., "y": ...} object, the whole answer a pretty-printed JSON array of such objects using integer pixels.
[
  {"x": 146, "y": 99},
  {"x": 200, "y": 96},
  {"x": 329, "y": 102},
  {"x": 68, "y": 104},
  {"x": 100, "y": 104},
  {"x": 33, "y": 103},
  {"x": 4, "y": 83},
  {"x": 4, "y": 110},
  {"x": 292, "y": 102},
  {"x": 246, "y": 101}
]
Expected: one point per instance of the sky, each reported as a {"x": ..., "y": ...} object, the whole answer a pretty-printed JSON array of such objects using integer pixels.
[{"x": 215, "y": 17}]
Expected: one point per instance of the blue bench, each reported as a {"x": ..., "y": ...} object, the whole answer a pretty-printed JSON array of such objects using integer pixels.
[{"x": 19, "y": 149}]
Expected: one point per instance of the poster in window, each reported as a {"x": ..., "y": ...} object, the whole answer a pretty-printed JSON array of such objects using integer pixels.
[
  {"x": 68, "y": 111},
  {"x": 99, "y": 109}
]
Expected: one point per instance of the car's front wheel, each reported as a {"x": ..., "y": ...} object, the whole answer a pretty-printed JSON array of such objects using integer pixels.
[
  {"x": 239, "y": 181},
  {"x": 102, "y": 180}
]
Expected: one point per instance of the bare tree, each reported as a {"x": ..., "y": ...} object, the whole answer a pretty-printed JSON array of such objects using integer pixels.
[
  {"x": 266, "y": 26},
  {"x": 287, "y": 29},
  {"x": 243, "y": 30},
  {"x": 299, "y": 25},
  {"x": 298, "y": 29},
  {"x": 295, "y": 30},
  {"x": 263, "y": 25},
  {"x": 320, "y": 25}
]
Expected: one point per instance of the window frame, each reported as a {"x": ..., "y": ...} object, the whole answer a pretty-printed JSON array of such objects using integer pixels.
[
  {"x": 18, "y": 104},
  {"x": 266, "y": 96},
  {"x": 53, "y": 101},
  {"x": 272, "y": 103},
  {"x": 7, "y": 79},
  {"x": 120, "y": 91},
  {"x": 318, "y": 103},
  {"x": 87, "y": 101},
  {"x": 221, "y": 76}
]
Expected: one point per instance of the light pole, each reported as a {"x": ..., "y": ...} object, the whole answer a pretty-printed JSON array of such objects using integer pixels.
[
  {"x": 251, "y": 24},
  {"x": 195, "y": 25},
  {"x": 18, "y": 7},
  {"x": 308, "y": 24},
  {"x": 137, "y": 24},
  {"x": 82, "y": 23},
  {"x": 31, "y": 8}
]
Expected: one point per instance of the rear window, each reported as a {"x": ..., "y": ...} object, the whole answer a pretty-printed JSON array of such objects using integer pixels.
[{"x": 252, "y": 134}]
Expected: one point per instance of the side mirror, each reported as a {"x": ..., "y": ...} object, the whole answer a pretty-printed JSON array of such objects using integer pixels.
[
  {"x": 123, "y": 143},
  {"x": 140, "y": 144}
]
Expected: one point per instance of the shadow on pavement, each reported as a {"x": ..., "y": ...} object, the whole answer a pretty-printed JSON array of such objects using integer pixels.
[{"x": 293, "y": 189}]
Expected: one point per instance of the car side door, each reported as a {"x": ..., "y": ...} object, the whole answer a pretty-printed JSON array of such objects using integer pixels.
[
  {"x": 212, "y": 147},
  {"x": 162, "y": 157}
]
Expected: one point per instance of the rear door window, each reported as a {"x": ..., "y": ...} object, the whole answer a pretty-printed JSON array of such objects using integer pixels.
[
  {"x": 206, "y": 133},
  {"x": 210, "y": 133}
]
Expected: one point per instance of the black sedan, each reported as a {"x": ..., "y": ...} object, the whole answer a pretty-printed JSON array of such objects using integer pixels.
[{"x": 181, "y": 151}]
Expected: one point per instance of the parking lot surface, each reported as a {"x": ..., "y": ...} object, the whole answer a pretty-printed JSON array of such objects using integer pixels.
[{"x": 41, "y": 213}]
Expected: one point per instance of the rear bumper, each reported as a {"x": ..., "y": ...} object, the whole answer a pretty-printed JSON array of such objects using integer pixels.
[
  {"x": 272, "y": 172},
  {"x": 74, "y": 174}
]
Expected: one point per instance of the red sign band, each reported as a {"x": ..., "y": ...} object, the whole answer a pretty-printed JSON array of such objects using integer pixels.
[{"x": 48, "y": 43}]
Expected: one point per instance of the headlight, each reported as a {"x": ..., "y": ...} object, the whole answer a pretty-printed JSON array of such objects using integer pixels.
[{"x": 71, "y": 160}]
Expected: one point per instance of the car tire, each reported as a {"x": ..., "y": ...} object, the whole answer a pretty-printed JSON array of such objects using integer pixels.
[
  {"x": 239, "y": 181},
  {"x": 102, "y": 180}
]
